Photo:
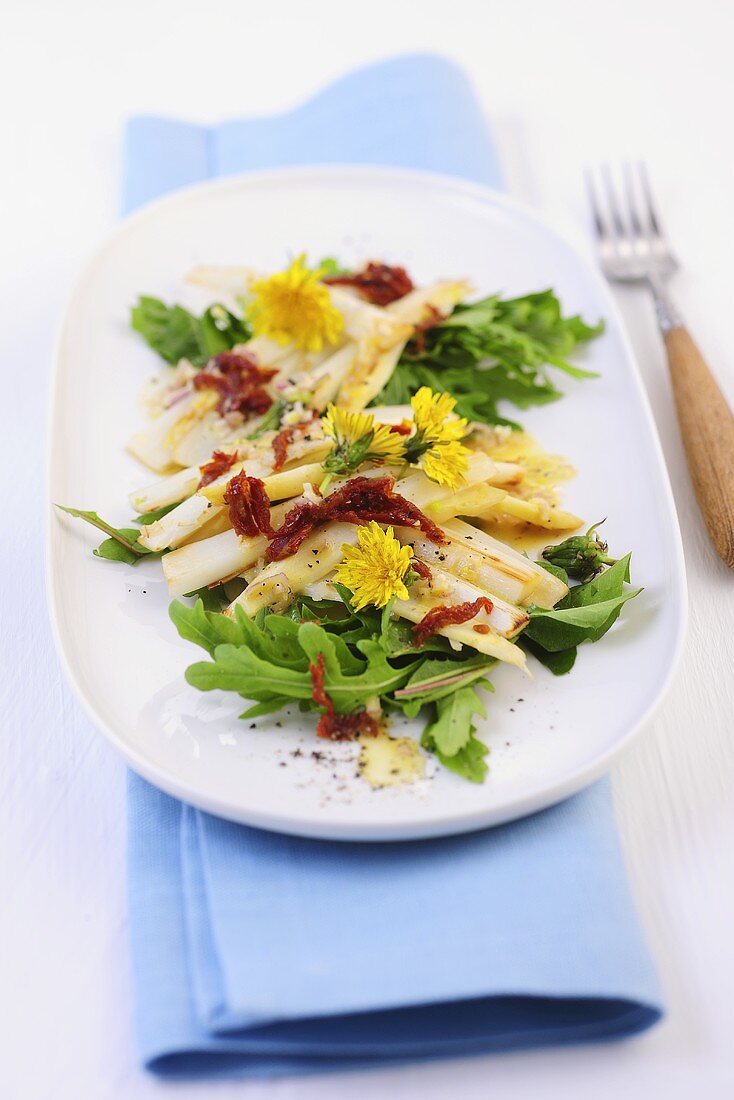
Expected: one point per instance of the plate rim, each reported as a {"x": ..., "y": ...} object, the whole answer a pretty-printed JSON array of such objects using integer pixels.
[{"x": 385, "y": 830}]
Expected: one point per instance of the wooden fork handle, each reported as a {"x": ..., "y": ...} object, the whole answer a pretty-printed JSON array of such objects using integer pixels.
[{"x": 707, "y": 427}]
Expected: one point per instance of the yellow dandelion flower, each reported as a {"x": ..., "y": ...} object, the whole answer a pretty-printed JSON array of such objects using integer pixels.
[
  {"x": 340, "y": 424},
  {"x": 436, "y": 445},
  {"x": 375, "y": 570},
  {"x": 358, "y": 439},
  {"x": 446, "y": 463},
  {"x": 293, "y": 306},
  {"x": 431, "y": 413},
  {"x": 386, "y": 445}
]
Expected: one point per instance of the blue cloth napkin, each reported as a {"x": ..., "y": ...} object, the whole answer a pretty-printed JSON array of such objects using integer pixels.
[{"x": 258, "y": 955}]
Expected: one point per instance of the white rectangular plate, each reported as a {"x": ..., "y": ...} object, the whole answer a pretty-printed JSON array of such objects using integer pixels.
[{"x": 548, "y": 736}]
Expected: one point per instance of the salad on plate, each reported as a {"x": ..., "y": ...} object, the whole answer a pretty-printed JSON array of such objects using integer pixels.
[{"x": 344, "y": 514}]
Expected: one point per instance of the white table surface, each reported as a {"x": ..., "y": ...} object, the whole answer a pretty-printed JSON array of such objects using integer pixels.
[{"x": 565, "y": 83}]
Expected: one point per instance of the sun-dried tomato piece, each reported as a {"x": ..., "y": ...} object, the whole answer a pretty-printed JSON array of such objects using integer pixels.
[
  {"x": 358, "y": 501},
  {"x": 238, "y": 380},
  {"x": 249, "y": 506},
  {"x": 421, "y": 569},
  {"x": 403, "y": 428},
  {"x": 281, "y": 443},
  {"x": 442, "y": 616},
  {"x": 346, "y": 727},
  {"x": 318, "y": 693},
  {"x": 284, "y": 438},
  {"x": 217, "y": 465},
  {"x": 431, "y": 318},
  {"x": 378, "y": 283},
  {"x": 332, "y": 726}
]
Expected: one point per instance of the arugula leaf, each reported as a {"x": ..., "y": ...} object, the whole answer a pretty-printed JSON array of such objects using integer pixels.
[
  {"x": 451, "y": 735},
  {"x": 237, "y": 668},
  {"x": 176, "y": 334},
  {"x": 331, "y": 268},
  {"x": 510, "y": 342},
  {"x": 213, "y": 599},
  {"x": 204, "y": 627},
  {"x": 435, "y": 679},
  {"x": 121, "y": 545},
  {"x": 155, "y": 515},
  {"x": 271, "y": 420},
  {"x": 453, "y": 725},
  {"x": 585, "y": 614},
  {"x": 468, "y": 762},
  {"x": 559, "y": 663}
]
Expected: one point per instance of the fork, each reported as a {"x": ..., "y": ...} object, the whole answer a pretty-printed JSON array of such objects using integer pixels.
[{"x": 633, "y": 249}]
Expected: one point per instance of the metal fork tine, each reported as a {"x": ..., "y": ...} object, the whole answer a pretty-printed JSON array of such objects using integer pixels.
[
  {"x": 652, "y": 217},
  {"x": 619, "y": 226},
  {"x": 596, "y": 212},
  {"x": 631, "y": 198}
]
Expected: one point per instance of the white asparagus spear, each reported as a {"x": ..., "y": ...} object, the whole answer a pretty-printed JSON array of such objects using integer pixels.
[
  {"x": 362, "y": 385},
  {"x": 368, "y": 379},
  {"x": 512, "y": 580},
  {"x": 549, "y": 589},
  {"x": 207, "y": 434},
  {"x": 200, "y": 564},
  {"x": 492, "y": 644},
  {"x": 445, "y": 589},
  {"x": 167, "y": 490},
  {"x": 279, "y": 582},
  {"x": 439, "y": 297},
  {"x": 536, "y": 511},
  {"x": 278, "y": 486},
  {"x": 180, "y": 524},
  {"x": 151, "y": 446}
]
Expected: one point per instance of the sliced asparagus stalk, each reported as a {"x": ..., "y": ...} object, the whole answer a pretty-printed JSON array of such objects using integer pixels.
[
  {"x": 264, "y": 350},
  {"x": 445, "y": 588},
  {"x": 366, "y": 382},
  {"x": 536, "y": 511},
  {"x": 501, "y": 576},
  {"x": 199, "y": 564},
  {"x": 279, "y": 582},
  {"x": 494, "y": 645},
  {"x": 324, "y": 381},
  {"x": 152, "y": 446},
  {"x": 472, "y": 500},
  {"x": 167, "y": 490},
  {"x": 421, "y": 303},
  {"x": 507, "y": 473},
  {"x": 392, "y": 414},
  {"x": 369, "y": 325},
  {"x": 215, "y": 525},
  {"x": 368, "y": 379},
  {"x": 178, "y": 525},
  {"x": 548, "y": 590},
  {"x": 232, "y": 280},
  {"x": 279, "y": 486},
  {"x": 206, "y": 435},
  {"x": 176, "y": 487},
  {"x": 423, "y": 492}
]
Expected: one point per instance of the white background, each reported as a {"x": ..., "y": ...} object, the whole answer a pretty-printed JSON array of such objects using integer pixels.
[{"x": 565, "y": 83}]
